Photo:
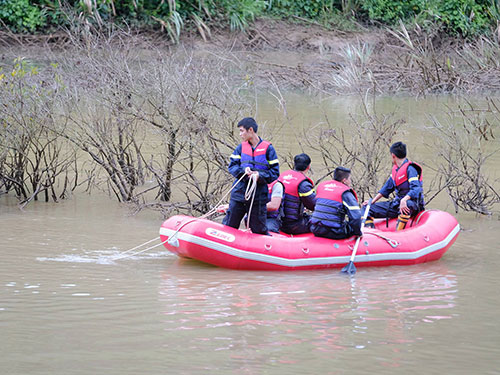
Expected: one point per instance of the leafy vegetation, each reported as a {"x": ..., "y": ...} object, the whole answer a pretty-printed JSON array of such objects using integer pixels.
[
  {"x": 456, "y": 17},
  {"x": 21, "y": 15}
]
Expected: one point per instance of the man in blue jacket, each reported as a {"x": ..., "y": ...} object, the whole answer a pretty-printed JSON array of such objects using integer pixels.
[
  {"x": 334, "y": 201},
  {"x": 252, "y": 157},
  {"x": 406, "y": 181}
]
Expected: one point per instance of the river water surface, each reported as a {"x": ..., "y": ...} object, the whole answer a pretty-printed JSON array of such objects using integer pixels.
[{"x": 66, "y": 307}]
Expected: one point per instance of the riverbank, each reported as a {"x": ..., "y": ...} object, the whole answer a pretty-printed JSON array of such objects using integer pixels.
[{"x": 307, "y": 56}]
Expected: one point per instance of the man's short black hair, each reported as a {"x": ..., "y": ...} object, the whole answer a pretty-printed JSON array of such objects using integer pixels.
[
  {"x": 247, "y": 123},
  {"x": 301, "y": 162},
  {"x": 399, "y": 149},
  {"x": 340, "y": 173}
]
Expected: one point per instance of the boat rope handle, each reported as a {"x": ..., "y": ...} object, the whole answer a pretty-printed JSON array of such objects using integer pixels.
[{"x": 391, "y": 242}]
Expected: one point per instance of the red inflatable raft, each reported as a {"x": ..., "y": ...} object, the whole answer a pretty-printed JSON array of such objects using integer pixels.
[{"x": 426, "y": 238}]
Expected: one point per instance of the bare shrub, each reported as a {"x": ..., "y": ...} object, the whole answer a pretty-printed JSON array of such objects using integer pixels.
[
  {"x": 192, "y": 107},
  {"x": 468, "y": 136},
  {"x": 482, "y": 59},
  {"x": 156, "y": 123},
  {"x": 33, "y": 155},
  {"x": 363, "y": 146},
  {"x": 421, "y": 66},
  {"x": 100, "y": 121},
  {"x": 419, "y": 62}
]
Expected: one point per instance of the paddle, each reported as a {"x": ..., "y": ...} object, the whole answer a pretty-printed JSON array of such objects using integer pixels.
[{"x": 350, "y": 268}]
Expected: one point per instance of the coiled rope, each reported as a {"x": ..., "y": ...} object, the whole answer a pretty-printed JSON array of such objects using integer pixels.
[{"x": 249, "y": 193}]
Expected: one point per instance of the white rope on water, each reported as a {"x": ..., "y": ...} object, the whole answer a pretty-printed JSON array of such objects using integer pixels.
[
  {"x": 141, "y": 245},
  {"x": 210, "y": 212},
  {"x": 141, "y": 251}
]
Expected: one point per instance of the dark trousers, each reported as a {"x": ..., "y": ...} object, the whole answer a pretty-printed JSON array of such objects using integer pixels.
[
  {"x": 258, "y": 216},
  {"x": 297, "y": 227},
  {"x": 273, "y": 224},
  {"x": 390, "y": 209},
  {"x": 327, "y": 232}
]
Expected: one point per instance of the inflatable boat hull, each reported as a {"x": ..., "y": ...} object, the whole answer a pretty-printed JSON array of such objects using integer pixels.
[{"x": 425, "y": 239}]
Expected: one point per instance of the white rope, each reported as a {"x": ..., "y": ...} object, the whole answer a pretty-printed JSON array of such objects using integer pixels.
[
  {"x": 141, "y": 251},
  {"x": 214, "y": 209},
  {"x": 252, "y": 181},
  {"x": 250, "y": 193},
  {"x": 141, "y": 245}
]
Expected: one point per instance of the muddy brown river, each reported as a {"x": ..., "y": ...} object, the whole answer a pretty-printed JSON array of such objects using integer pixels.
[{"x": 66, "y": 307}]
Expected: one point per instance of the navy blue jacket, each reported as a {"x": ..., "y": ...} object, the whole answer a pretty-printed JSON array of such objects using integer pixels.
[
  {"x": 331, "y": 214},
  {"x": 416, "y": 191},
  {"x": 265, "y": 176}
]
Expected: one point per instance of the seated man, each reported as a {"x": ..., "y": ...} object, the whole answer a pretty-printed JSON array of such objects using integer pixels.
[
  {"x": 406, "y": 181},
  {"x": 299, "y": 192},
  {"x": 334, "y": 200},
  {"x": 274, "y": 206}
]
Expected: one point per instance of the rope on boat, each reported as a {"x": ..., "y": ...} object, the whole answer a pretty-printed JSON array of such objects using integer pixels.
[
  {"x": 172, "y": 240},
  {"x": 250, "y": 193},
  {"x": 391, "y": 242},
  {"x": 251, "y": 187}
]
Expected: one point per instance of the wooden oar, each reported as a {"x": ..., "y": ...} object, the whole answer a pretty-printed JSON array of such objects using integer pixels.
[{"x": 350, "y": 268}]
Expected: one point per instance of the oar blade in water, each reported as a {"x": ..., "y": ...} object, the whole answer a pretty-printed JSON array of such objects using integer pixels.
[{"x": 349, "y": 269}]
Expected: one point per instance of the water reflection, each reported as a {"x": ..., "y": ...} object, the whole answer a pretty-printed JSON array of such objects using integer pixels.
[{"x": 304, "y": 312}]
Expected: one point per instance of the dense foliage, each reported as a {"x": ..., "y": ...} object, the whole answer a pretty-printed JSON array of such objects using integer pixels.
[
  {"x": 456, "y": 17},
  {"x": 465, "y": 17}
]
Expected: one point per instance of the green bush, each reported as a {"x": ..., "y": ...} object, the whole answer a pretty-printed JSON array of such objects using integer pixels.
[
  {"x": 457, "y": 17},
  {"x": 391, "y": 11},
  {"x": 21, "y": 16},
  {"x": 464, "y": 17},
  {"x": 312, "y": 9}
]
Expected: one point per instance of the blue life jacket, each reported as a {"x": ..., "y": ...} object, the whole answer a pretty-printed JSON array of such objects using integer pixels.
[
  {"x": 255, "y": 159},
  {"x": 330, "y": 210}
]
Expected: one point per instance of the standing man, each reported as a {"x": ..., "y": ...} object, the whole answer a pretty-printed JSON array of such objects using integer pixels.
[
  {"x": 334, "y": 201},
  {"x": 299, "y": 193},
  {"x": 406, "y": 181},
  {"x": 274, "y": 207},
  {"x": 256, "y": 157}
]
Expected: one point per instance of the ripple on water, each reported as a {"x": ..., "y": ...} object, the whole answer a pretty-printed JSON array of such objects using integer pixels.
[{"x": 101, "y": 257}]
